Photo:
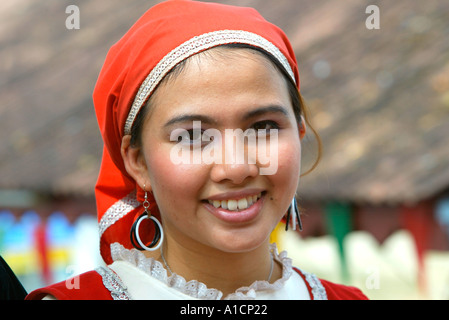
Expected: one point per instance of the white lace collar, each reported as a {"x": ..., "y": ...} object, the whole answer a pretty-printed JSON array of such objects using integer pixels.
[{"x": 195, "y": 288}]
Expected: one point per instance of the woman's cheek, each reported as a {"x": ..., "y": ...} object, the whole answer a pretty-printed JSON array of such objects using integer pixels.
[
  {"x": 289, "y": 162},
  {"x": 166, "y": 173}
]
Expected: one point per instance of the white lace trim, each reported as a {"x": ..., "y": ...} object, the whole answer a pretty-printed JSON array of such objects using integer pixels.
[
  {"x": 117, "y": 211},
  {"x": 114, "y": 284},
  {"x": 191, "y": 47},
  {"x": 195, "y": 288},
  {"x": 318, "y": 291}
]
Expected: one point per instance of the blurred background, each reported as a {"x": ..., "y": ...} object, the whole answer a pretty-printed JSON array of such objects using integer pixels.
[{"x": 375, "y": 211}]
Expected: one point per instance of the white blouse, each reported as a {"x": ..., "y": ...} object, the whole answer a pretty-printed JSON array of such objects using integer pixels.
[{"x": 134, "y": 276}]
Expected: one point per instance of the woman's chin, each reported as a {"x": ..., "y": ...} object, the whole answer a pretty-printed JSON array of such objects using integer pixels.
[{"x": 238, "y": 242}]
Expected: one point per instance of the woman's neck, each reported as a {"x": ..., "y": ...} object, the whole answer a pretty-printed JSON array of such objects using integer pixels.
[{"x": 217, "y": 269}]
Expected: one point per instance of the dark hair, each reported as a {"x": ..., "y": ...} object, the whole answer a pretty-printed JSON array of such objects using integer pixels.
[{"x": 299, "y": 107}]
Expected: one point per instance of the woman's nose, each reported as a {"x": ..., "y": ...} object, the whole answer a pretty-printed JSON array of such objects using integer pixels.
[
  {"x": 236, "y": 173},
  {"x": 236, "y": 163}
]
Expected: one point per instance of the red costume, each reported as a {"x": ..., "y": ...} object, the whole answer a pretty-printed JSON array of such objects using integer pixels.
[{"x": 92, "y": 288}]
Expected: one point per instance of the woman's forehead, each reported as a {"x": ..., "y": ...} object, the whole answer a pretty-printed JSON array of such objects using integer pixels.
[{"x": 221, "y": 78}]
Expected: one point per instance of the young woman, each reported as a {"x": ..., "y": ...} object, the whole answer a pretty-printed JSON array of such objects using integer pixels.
[{"x": 202, "y": 121}]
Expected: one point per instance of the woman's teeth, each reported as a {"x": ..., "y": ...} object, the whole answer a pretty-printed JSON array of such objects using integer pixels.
[{"x": 235, "y": 205}]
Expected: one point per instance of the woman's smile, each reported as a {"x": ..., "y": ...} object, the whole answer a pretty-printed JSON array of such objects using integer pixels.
[
  {"x": 237, "y": 204},
  {"x": 238, "y": 207}
]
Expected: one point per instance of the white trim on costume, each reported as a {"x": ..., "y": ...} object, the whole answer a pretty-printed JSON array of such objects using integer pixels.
[{"x": 117, "y": 211}]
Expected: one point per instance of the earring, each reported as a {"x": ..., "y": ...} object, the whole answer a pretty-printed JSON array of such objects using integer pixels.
[
  {"x": 158, "y": 235},
  {"x": 293, "y": 216}
]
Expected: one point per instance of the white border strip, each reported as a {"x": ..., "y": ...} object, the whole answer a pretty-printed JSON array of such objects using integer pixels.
[{"x": 117, "y": 211}]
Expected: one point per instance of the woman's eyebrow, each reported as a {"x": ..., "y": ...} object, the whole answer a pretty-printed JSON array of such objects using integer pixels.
[
  {"x": 203, "y": 118},
  {"x": 189, "y": 118},
  {"x": 264, "y": 110}
]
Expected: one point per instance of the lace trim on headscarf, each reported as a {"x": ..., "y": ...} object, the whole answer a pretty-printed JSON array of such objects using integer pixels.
[{"x": 117, "y": 211}]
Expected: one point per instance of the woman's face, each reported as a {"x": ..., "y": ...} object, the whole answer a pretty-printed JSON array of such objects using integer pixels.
[{"x": 224, "y": 204}]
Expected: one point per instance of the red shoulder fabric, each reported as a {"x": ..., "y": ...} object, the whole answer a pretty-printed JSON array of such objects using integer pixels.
[
  {"x": 90, "y": 287},
  {"x": 341, "y": 292},
  {"x": 335, "y": 291}
]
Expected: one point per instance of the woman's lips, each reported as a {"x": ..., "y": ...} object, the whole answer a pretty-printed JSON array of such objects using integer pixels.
[
  {"x": 236, "y": 204},
  {"x": 236, "y": 210}
]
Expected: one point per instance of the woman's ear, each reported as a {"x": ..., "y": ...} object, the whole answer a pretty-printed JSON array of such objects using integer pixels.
[
  {"x": 135, "y": 163},
  {"x": 302, "y": 128}
]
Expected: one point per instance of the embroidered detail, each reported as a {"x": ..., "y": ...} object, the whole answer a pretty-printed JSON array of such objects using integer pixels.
[
  {"x": 318, "y": 291},
  {"x": 191, "y": 47},
  {"x": 117, "y": 211},
  {"x": 114, "y": 284},
  {"x": 195, "y": 288}
]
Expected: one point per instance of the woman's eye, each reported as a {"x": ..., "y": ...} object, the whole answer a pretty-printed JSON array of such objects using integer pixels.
[
  {"x": 265, "y": 125},
  {"x": 194, "y": 137}
]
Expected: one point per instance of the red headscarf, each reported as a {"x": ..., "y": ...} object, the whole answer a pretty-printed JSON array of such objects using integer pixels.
[{"x": 165, "y": 35}]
